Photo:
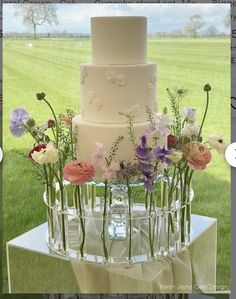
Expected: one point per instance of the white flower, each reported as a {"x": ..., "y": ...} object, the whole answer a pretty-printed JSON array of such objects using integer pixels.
[
  {"x": 42, "y": 129},
  {"x": 190, "y": 130},
  {"x": 46, "y": 155},
  {"x": 156, "y": 132},
  {"x": 218, "y": 143},
  {"x": 163, "y": 120},
  {"x": 175, "y": 157},
  {"x": 189, "y": 114}
]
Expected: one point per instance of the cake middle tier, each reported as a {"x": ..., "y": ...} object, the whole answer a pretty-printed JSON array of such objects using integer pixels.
[
  {"x": 89, "y": 133},
  {"x": 107, "y": 90}
]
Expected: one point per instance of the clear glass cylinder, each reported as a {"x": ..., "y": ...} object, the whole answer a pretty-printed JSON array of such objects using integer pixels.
[{"x": 110, "y": 222}]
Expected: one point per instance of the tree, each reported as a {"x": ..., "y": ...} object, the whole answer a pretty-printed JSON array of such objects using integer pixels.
[
  {"x": 195, "y": 23},
  {"x": 227, "y": 20},
  {"x": 35, "y": 15},
  {"x": 211, "y": 31}
]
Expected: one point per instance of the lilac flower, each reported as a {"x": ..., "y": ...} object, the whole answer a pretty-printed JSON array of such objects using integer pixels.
[
  {"x": 156, "y": 131},
  {"x": 163, "y": 120},
  {"x": 189, "y": 114},
  {"x": 145, "y": 166},
  {"x": 144, "y": 156},
  {"x": 152, "y": 130},
  {"x": 110, "y": 172},
  {"x": 148, "y": 186},
  {"x": 128, "y": 170},
  {"x": 142, "y": 150},
  {"x": 161, "y": 154},
  {"x": 18, "y": 117},
  {"x": 147, "y": 179}
]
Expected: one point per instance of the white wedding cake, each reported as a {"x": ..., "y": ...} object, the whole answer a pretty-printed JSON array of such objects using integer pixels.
[{"x": 118, "y": 80}]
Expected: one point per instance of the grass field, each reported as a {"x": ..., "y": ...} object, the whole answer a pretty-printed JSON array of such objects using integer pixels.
[{"x": 52, "y": 66}]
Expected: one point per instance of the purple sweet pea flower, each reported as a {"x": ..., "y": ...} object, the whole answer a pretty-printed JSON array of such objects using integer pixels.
[
  {"x": 145, "y": 166},
  {"x": 143, "y": 153},
  {"x": 148, "y": 186},
  {"x": 161, "y": 153},
  {"x": 148, "y": 178},
  {"x": 142, "y": 150},
  {"x": 17, "y": 118}
]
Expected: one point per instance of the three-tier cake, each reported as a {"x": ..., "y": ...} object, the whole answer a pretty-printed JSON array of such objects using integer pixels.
[{"x": 118, "y": 80}]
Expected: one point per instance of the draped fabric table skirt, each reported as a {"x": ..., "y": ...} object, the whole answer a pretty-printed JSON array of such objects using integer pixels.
[{"x": 33, "y": 268}]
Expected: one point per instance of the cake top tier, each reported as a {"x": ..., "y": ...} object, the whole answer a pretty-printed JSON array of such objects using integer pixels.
[{"x": 119, "y": 40}]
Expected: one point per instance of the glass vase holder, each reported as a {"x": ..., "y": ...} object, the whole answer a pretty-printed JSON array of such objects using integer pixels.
[{"x": 116, "y": 229}]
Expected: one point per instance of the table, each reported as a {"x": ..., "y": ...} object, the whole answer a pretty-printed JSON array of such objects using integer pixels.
[{"x": 33, "y": 268}]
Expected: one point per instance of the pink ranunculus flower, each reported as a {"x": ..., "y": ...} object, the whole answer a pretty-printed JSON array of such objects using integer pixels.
[
  {"x": 98, "y": 157},
  {"x": 198, "y": 155},
  {"x": 78, "y": 172}
]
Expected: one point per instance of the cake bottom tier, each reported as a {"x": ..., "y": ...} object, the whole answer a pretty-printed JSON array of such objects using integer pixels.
[{"x": 88, "y": 133}]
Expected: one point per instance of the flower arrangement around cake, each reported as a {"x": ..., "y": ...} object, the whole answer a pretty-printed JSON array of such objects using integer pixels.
[{"x": 139, "y": 208}]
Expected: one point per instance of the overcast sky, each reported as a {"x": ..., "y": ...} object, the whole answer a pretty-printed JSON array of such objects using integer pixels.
[{"x": 75, "y": 18}]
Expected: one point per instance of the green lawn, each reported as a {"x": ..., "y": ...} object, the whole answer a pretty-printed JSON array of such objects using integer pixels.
[{"x": 52, "y": 66}]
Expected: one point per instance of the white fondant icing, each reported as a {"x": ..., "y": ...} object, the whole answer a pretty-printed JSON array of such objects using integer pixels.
[
  {"x": 83, "y": 74},
  {"x": 115, "y": 99},
  {"x": 134, "y": 110},
  {"x": 119, "y": 40},
  {"x": 151, "y": 86},
  {"x": 119, "y": 60},
  {"x": 94, "y": 101}
]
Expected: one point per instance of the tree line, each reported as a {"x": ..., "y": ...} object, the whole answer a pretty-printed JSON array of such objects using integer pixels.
[{"x": 36, "y": 15}]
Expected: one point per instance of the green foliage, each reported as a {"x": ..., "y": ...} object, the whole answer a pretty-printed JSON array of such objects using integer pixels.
[
  {"x": 175, "y": 105},
  {"x": 129, "y": 117},
  {"x": 150, "y": 116},
  {"x": 114, "y": 149}
]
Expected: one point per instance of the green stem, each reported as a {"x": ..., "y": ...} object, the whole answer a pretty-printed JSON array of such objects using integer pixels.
[
  {"x": 82, "y": 220},
  {"x": 182, "y": 213},
  {"x": 93, "y": 196},
  {"x": 75, "y": 197},
  {"x": 110, "y": 197},
  {"x": 163, "y": 194},
  {"x": 53, "y": 132},
  {"x": 55, "y": 118},
  {"x": 172, "y": 186},
  {"x": 130, "y": 219},
  {"x": 150, "y": 227},
  {"x": 62, "y": 217},
  {"x": 189, "y": 203},
  {"x": 204, "y": 117},
  {"x": 146, "y": 199},
  {"x": 49, "y": 203},
  {"x": 71, "y": 141},
  {"x": 104, "y": 222}
]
